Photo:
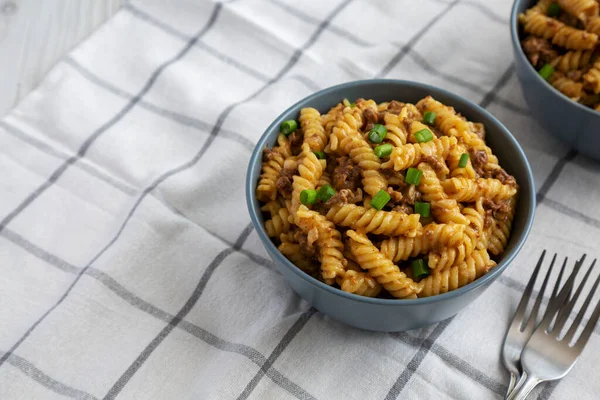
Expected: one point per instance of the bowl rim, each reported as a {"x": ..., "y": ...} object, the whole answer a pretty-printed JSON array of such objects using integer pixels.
[
  {"x": 256, "y": 157},
  {"x": 514, "y": 34}
]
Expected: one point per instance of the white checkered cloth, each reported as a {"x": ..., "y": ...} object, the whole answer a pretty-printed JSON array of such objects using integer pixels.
[{"x": 128, "y": 265}]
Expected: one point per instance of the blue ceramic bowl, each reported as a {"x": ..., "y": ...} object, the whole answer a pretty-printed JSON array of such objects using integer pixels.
[
  {"x": 572, "y": 123},
  {"x": 388, "y": 315}
]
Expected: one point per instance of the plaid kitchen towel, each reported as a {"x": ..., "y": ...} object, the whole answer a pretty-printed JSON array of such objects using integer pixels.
[{"x": 128, "y": 265}]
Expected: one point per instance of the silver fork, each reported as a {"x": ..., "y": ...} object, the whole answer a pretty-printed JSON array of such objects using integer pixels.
[
  {"x": 522, "y": 326},
  {"x": 547, "y": 356}
]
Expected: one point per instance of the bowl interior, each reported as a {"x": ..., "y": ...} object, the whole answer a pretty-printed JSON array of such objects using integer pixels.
[{"x": 503, "y": 144}]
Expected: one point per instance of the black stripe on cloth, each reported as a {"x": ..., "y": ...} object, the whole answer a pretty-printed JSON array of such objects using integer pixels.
[
  {"x": 415, "y": 362},
  {"x": 549, "y": 388},
  {"x": 491, "y": 95},
  {"x": 561, "y": 208},
  {"x": 413, "y": 40},
  {"x": 61, "y": 169},
  {"x": 46, "y": 148},
  {"x": 172, "y": 115},
  {"x": 183, "y": 312},
  {"x": 277, "y": 351},
  {"x": 118, "y": 289},
  {"x": 142, "y": 15},
  {"x": 554, "y": 174},
  {"x": 45, "y": 380},
  {"x": 456, "y": 362},
  {"x": 118, "y": 386},
  {"x": 122, "y": 113}
]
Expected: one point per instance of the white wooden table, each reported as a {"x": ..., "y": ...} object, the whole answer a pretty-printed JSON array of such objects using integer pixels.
[{"x": 34, "y": 34}]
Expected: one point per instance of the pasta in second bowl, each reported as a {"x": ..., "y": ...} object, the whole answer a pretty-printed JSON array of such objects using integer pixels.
[{"x": 368, "y": 206}]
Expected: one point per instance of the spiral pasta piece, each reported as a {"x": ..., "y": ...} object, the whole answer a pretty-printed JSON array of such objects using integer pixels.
[
  {"x": 381, "y": 268},
  {"x": 328, "y": 240},
  {"x": 310, "y": 170},
  {"x": 391, "y": 223},
  {"x": 293, "y": 252},
  {"x": 433, "y": 236},
  {"x": 444, "y": 209},
  {"x": 452, "y": 125},
  {"x": 501, "y": 231},
  {"x": 453, "y": 160},
  {"x": 463, "y": 273},
  {"x": 362, "y": 155},
  {"x": 396, "y": 132},
  {"x": 360, "y": 283},
  {"x": 582, "y": 9},
  {"x": 411, "y": 154},
  {"x": 314, "y": 132},
  {"x": 543, "y": 26},
  {"x": 593, "y": 25},
  {"x": 279, "y": 222},
  {"x": 467, "y": 190},
  {"x": 347, "y": 124},
  {"x": 592, "y": 78},
  {"x": 329, "y": 120},
  {"x": 567, "y": 86},
  {"x": 572, "y": 60},
  {"x": 267, "y": 188}
]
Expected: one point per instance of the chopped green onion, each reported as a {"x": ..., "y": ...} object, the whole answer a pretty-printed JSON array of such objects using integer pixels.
[
  {"x": 288, "y": 126},
  {"x": 429, "y": 117},
  {"x": 413, "y": 176},
  {"x": 419, "y": 268},
  {"x": 422, "y": 208},
  {"x": 377, "y": 134},
  {"x": 553, "y": 10},
  {"x": 380, "y": 199},
  {"x": 308, "y": 196},
  {"x": 352, "y": 105},
  {"x": 320, "y": 155},
  {"x": 383, "y": 150},
  {"x": 546, "y": 71},
  {"x": 424, "y": 135},
  {"x": 325, "y": 193},
  {"x": 464, "y": 159}
]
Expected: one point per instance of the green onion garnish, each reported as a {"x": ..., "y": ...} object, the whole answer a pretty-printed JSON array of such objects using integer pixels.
[
  {"x": 413, "y": 176},
  {"x": 308, "y": 196},
  {"x": 374, "y": 137},
  {"x": 377, "y": 134},
  {"x": 320, "y": 155},
  {"x": 422, "y": 208},
  {"x": 325, "y": 192},
  {"x": 464, "y": 159},
  {"x": 429, "y": 117},
  {"x": 419, "y": 268},
  {"x": 383, "y": 150},
  {"x": 424, "y": 135},
  {"x": 380, "y": 199},
  {"x": 352, "y": 105},
  {"x": 553, "y": 10},
  {"x": 288, "y": 126},
  {"x": 546, "y": 71}
]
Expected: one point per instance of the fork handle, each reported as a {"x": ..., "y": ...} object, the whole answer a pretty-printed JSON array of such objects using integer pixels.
[{"x": 524, "y": 387}]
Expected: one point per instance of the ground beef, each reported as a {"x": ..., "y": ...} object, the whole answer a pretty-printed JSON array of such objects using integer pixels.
[
  {"x": 404, "y": 201},
  {"x": 395, "y": 107},
  {"x": 345, "y": 196},
  {"x": 370, "y": 118},
  {"x": 499, "y": 173},
  {"x": 346, "y": 175},
  {"x": 295, "y": 139},
  {"x": 404, "y": 208},
  {"x": 268, "y": 154},
  {"x": 575, "y": 75},
  {"x": 284, "y": 182},
  {"x": 479, "y": 160},
  {"x": 411, "y": 195},
  {"x": 539, "y": 51},
  {"x": 308, "y": 249},
  {"x": 499, "y": 209},
  {"x": 570, "y": 20},
  {"x": 437, "y": 165}
]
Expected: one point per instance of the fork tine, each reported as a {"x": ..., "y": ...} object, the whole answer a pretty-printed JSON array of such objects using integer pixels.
[
  {"x": 571, "y": 333},
  {"x": 527, "y": 293},
  {"x": 538, "y": 301},
  {"x": 565, "y": 311},
  {"x": 589, "y": 328},
  {"x": 557, "y": 284},
  {"x": 555, "y": 304}
]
